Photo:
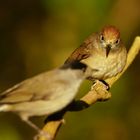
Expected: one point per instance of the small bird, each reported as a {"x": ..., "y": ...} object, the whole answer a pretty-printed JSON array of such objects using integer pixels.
[
  {"x": 43, "y": 94},
  {"x": 103, "y": 53}
]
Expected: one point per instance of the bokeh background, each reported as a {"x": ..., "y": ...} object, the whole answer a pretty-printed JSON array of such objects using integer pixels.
[{"x": 38, "y": 35}]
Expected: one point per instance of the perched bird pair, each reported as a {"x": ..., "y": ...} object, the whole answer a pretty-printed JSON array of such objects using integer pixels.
[{"x": 101, "y": 56}]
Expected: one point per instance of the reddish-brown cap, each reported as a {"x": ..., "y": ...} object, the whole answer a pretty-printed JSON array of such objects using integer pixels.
[{"x": 110, "y": 33}]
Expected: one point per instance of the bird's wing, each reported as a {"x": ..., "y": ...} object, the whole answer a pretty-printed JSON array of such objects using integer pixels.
[
  {"x": 30, "y": 89},
  {"x": 83, "y": 51}
]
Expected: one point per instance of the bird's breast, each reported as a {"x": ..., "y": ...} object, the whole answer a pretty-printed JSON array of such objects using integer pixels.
[{"x": 105, "y": 67}]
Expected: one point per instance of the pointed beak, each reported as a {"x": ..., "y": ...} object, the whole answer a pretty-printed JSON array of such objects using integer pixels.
[{"x": 108, "y": 48}]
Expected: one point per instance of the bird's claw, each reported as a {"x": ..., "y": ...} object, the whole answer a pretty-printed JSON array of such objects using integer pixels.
[
  {"x": 43, "y": 134},
  {"x": 102, "y": 90}
]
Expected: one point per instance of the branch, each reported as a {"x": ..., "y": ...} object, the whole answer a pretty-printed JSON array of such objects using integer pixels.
[{"x": 98, "y": 92}]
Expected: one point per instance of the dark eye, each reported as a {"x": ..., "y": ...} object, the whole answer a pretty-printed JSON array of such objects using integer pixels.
[
  {"x": 117, "y": 41},
  {"x": 101, "y": 37}
]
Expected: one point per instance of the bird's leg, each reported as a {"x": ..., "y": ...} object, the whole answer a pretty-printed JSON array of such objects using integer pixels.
[
  {"x": 40, "y": 132},
  {"x": 102, "y": 90},
  {"x": 106, "y": 84}
]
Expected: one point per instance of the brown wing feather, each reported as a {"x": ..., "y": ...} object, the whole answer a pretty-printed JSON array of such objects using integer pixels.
[{"x": 83, "y": 51}]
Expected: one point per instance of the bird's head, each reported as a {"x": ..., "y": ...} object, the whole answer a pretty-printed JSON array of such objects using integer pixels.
[{"x": 109, "y": 38}]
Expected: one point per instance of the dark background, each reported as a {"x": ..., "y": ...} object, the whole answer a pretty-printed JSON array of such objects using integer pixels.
[{"x": 38, "y": 35}]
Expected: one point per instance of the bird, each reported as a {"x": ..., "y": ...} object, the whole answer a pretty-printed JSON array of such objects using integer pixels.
[
  {"x": 103, "y": 52},
  {"x": 43, "y": 94},
  {"x": 102, "y": 55}
]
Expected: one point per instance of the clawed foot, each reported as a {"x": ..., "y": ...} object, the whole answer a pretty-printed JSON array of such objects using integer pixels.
[
  {"x": 100, "y": 83},
  {"x": 44, "y": 134},
  {"x": 102, "y": 90},
  {"x": 105, "y": 84}
]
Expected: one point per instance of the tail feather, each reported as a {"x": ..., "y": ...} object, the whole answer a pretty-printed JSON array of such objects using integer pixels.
[{"x": 5, "y": 108}]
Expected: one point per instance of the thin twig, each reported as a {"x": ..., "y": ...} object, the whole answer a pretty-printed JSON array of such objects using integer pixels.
[{"x": 98, "y": 91}]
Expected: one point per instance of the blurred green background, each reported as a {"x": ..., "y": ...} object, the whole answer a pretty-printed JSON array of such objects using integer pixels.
[{"x": 38, "y": 35}]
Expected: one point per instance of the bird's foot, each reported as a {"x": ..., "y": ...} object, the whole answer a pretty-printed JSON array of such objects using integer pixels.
[
  {"x": 42, "y": 134},
  {"x": 106, "y": 84},
  {"x": 101, "y": 90}
]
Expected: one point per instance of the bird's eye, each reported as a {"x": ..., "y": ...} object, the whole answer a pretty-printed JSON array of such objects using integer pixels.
[
  {"x": 102, "y": 38},
  {"x": 117, "y": 41}
]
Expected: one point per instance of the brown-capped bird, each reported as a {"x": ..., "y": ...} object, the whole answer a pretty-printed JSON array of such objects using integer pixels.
[{"x": 102, "y": 52}]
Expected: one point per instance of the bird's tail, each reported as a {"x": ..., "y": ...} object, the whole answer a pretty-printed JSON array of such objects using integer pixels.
[{"x": 5, "y": 108}]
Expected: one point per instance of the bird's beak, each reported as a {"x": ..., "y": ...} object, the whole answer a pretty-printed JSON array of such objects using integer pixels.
[{"x": 108, "y": 48}]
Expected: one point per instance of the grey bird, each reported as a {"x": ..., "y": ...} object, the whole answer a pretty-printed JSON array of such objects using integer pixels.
[{"x": 43, "y": 94}]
